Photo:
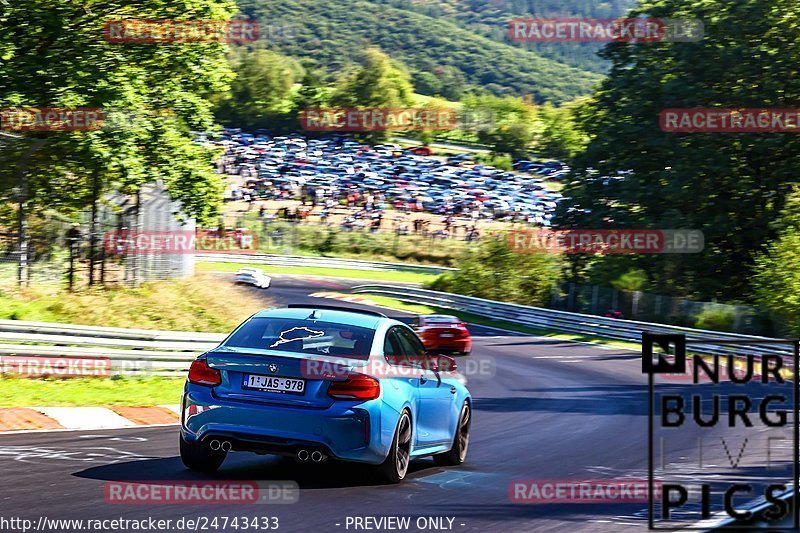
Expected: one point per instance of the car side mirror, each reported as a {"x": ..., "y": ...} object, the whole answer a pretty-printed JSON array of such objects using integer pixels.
[{"x": 440, "y": 363}]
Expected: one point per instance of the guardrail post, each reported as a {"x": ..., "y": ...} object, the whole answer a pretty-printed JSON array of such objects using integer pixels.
[
  {"x": 571, "y": 298},
  {"x": 737, "y": 319},
  {"x": 635, "y": 303}
]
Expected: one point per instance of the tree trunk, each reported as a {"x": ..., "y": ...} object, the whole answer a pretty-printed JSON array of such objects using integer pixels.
[{"x": 93, "y": 225}]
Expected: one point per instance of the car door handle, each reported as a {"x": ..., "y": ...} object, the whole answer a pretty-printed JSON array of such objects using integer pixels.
[
  {"x": 452, "y": 390},
  {"x": 423, "y": 380}
]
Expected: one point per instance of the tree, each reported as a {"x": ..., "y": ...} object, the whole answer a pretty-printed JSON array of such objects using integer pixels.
[
  {"x": 312, "y": 92},
  {"x": 453, "y": 82},
  {"x": 514, "y": 139},
  {"x": 776, "y": 270},
  {"x": 54, "y": 55},
  {"x": 730, "y": 186},
  {"x": 427, "y": 83},
  {"x": 494, "y": 271},
  {"x": 378, "y": 83},
  {"x": 262, "y": 92},
  {"x": 558, "y": 135},
  {"x": 511, "y": 121}
]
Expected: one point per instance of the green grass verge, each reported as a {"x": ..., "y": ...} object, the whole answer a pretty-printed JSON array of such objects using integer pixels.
[
  {"x": 367, "y": 275},
  {"x": 475, "y": 319},
  {"x": 394, "y": 303},
  {"x": 79, "y": 392},
  {"x": 187, "y": 304}
]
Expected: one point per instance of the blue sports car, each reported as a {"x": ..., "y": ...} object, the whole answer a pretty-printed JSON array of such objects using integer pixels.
[{"x": 325, "y": 382}]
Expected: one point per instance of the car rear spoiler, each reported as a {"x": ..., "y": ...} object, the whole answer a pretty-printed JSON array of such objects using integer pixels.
[{"x": 337, "y": 308}]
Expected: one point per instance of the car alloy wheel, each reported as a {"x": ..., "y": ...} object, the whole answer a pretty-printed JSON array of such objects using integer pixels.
[
  {"x": 463, "y": 432},
  {"x": 403, "y": 445}
]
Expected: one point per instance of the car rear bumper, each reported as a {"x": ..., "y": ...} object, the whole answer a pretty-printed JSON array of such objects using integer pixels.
[
  {"x": 346, "y": 430},
  {"x": 453, "y": 345}
]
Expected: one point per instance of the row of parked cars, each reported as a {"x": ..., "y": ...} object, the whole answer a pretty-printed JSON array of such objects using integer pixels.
[
  {"x": 335, "y": 165},
  {"x": 554, "y": 170}
]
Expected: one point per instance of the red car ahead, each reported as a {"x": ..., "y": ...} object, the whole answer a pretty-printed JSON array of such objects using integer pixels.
[{"x": 444, "y": 333}]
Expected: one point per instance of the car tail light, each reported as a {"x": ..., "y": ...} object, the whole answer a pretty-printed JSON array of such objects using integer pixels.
[
  {"x": 202, "y": 374},
  {"x": 462, "y": 330},
  {"x": 355, "y": 387}
]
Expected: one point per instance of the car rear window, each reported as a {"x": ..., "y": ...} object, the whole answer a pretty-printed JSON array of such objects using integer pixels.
[
  {"x": 442, "y": 320},
  {"x": 313, "y": 337}
]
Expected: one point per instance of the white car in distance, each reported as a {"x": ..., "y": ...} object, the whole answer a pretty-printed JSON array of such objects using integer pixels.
[{"x": 253, "y": 276}]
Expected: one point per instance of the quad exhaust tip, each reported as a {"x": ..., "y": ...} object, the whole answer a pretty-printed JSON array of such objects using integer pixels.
[
  {"x": 215, "y": 444},
  {"x": 226, "y": 446},
  {"x": 303, "y": 456},
  {"x": 317, "y": 457}
]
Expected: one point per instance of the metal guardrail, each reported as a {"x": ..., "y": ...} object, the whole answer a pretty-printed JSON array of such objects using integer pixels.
[
  {"x": 567, "y": 322},
  {"x": 325, "y": 262},
  {"x": 52, "y": 328},
  {"x": 139, "y": 351},
  {"x": 131, "y": 351}
]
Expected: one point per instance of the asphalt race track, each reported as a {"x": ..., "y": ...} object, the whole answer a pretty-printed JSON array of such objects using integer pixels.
[{"x": 552, "y": 410}]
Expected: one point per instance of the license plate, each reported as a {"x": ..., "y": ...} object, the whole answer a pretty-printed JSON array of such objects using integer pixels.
[
  {"x": 445, "y": 335},
  {"x": 274, "y": 384}
]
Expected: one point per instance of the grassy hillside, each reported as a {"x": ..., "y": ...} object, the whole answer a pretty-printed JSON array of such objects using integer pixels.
[
  {"x": 334, "y": 34},
  {"x": 490, "y": 18}
]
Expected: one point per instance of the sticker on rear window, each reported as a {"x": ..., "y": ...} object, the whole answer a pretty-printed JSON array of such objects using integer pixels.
[{"x": 296, "y": 334}]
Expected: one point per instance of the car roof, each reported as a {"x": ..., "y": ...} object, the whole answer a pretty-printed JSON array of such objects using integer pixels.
[{"x": 339, "y": 316}]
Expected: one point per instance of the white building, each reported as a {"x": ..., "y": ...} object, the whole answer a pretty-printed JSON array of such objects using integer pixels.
[{"x": 158, "y": 214}]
